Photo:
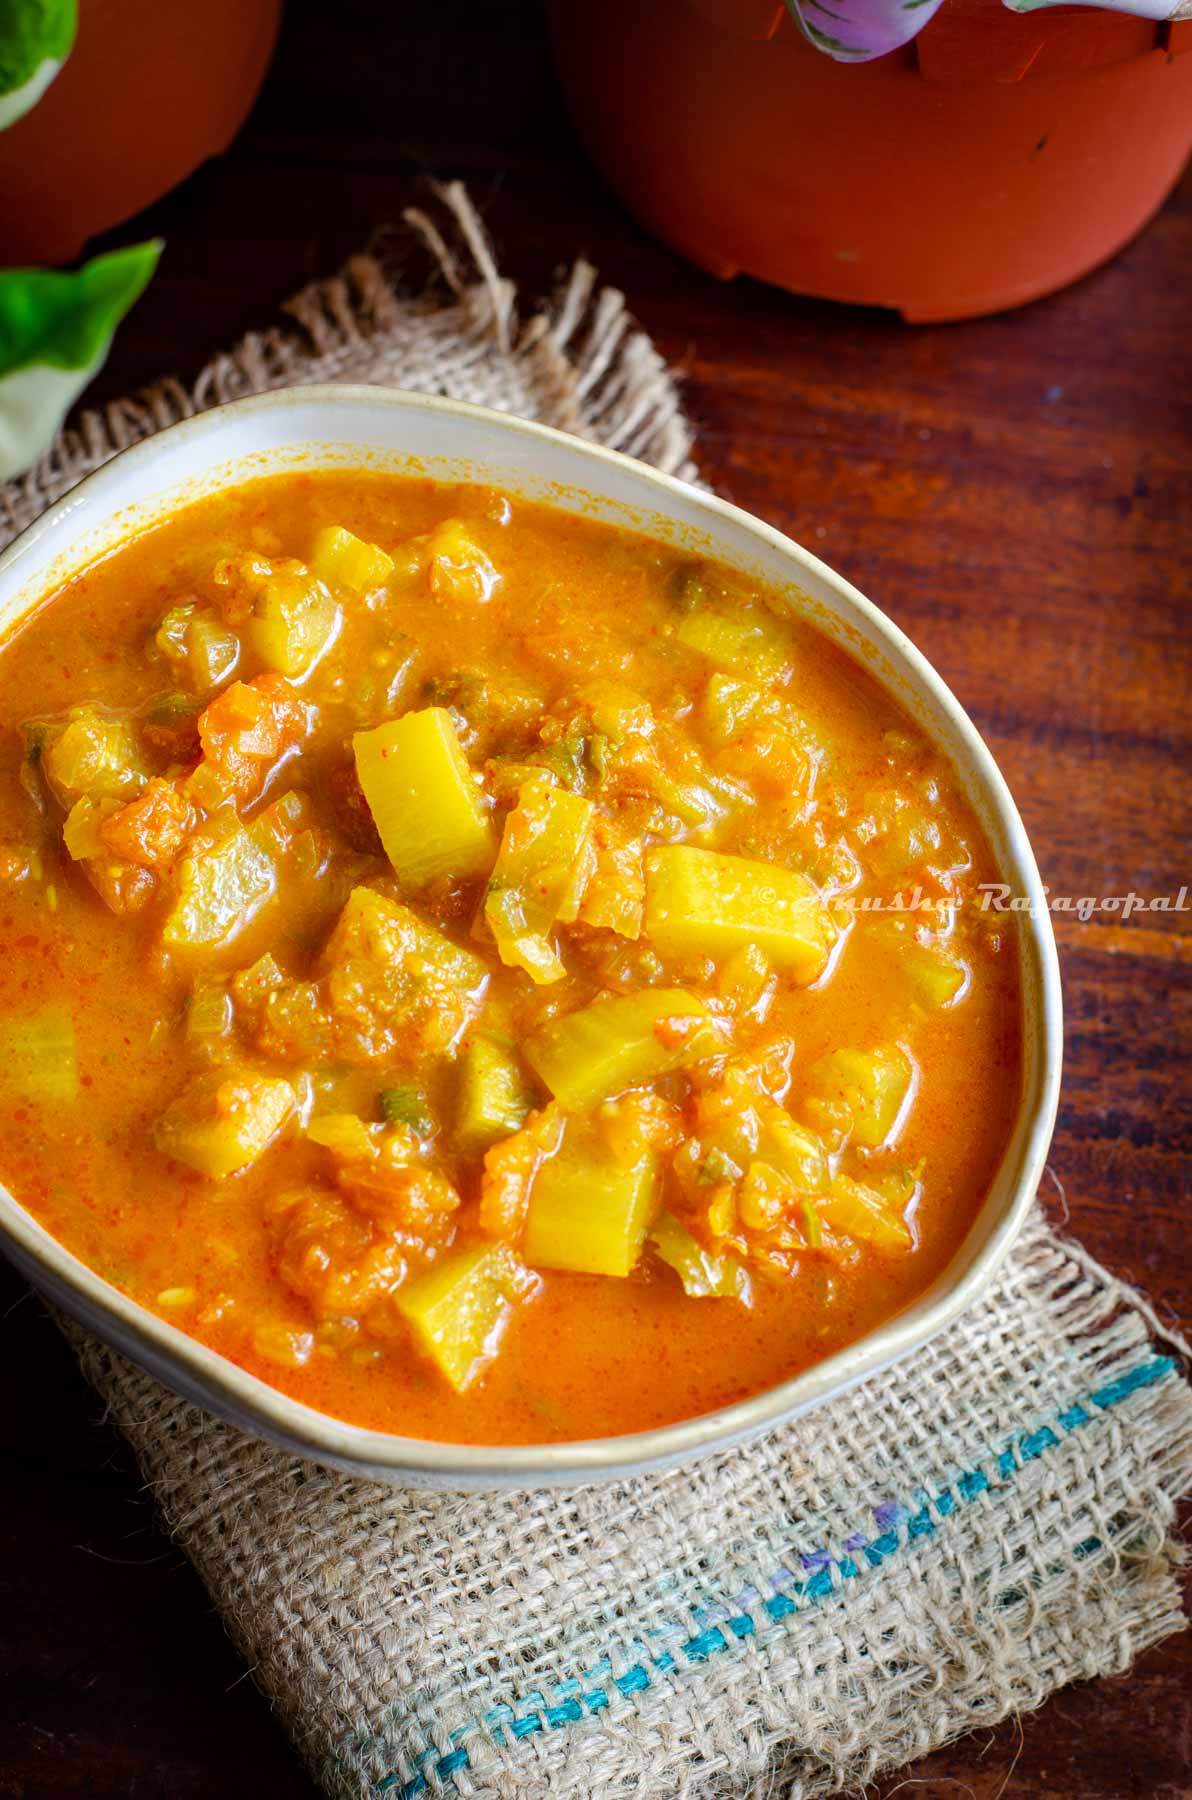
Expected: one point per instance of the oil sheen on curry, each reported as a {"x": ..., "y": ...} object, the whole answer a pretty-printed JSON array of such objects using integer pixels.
[{"x": 450, "y": 969}]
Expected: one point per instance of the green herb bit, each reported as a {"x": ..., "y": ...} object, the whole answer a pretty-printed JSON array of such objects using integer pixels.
[
  {"x": 171, "y": 709},
  {"x": 600, "y": 748},
  {"x": 717, "y": 1166},
  {"x": 407, "y": 1106},
  {"x": 689, "y": 587},
  {"x": 567, "y": 759}
]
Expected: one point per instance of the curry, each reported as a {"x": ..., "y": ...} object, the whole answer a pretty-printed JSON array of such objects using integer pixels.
[{"x": 458, "y": 962}]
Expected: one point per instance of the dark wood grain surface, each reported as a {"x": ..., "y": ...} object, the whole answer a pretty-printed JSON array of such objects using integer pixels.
[{"x": 1014, "y": 491}]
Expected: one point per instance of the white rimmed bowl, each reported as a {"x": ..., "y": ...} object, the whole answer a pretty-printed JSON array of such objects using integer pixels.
[{"x": 375, "y": 428}]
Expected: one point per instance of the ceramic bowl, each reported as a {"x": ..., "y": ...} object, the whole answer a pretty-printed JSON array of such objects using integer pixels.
[{"x": 375, "y": 428}]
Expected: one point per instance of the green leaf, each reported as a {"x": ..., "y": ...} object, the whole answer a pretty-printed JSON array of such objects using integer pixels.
[
  {"x": 65, "y": 320},
  {"x": 55, "y": 330},
  {"x": 35, "y": 40}
]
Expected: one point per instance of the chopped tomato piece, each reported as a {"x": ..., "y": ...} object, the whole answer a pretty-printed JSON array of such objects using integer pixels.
[
  {"x": 244, "y": 732},
  {"x": 151, "y": 829},
  {"x": 509, "y": 1170}
]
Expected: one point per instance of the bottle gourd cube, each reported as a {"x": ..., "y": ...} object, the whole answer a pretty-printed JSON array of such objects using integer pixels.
[
  {"x": 862, "y": 1213},
  {"x": 343, "y": 560},
  {"x": 459, "y": 1308},
  {"x": 618, "y": 1042},
  {"x": 422, "y": 797},
  {"x": 220, "y": 886},
  {"x": 543, "y": 867},
  {"x": 493, "y": 1100},
  {"x": 861, "y": 1092},
  {"x": 699, "y": 902},
  {"x": 705, "y": 1274},
  {"x": 589, "y": 1211},
  {"x": 741, "y": 637},
  {"x": 224, "y": 1120},
  {"x": 294, "y": 619}
]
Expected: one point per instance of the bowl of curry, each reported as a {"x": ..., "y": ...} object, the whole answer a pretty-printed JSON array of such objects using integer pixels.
[{"x": 508, "y": 976}]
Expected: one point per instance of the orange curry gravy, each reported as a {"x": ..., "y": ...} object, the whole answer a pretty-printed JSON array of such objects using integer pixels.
[{"x": 275, "y": 1083}]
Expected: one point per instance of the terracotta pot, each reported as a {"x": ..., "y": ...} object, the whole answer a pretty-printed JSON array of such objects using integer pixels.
[
  {"x": 151, "y": 88},
  {"x": 996, "y": 158}
]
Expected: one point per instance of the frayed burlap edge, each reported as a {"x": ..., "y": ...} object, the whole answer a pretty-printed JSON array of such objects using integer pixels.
[{"x": 580, "y": 363}]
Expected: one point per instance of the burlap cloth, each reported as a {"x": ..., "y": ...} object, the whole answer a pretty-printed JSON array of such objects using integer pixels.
[{"x": 943, "y": 1546}]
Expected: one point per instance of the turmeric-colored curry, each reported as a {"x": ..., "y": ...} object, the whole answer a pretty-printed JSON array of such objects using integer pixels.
[{"x": 452, "y": 964}]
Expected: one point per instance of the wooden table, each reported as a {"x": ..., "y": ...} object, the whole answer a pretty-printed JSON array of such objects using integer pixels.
[{"x": 1009, "y": 490}]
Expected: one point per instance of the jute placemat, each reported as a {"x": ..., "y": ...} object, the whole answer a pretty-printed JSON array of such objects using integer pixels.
[{"x": 943, "y": 1546}]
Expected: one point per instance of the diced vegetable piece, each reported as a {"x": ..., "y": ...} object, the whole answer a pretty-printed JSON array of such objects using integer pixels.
[
  {"x": 494, "y": 1098},
  {"x": 170, "y": 724},
  {"x": 716, "y": 1167},
  {"x": 459, "y": 568},
  {"x": 244, "y": 732},
  {"x": 214, "y": 652},
  {"x": 381, "y": 1168},
  {"x": 615, "y": 895},
  {"x": 936, "y": 976},
  {"x": 704, "y": 1274},
  {"x": 374, "y": 929},
  {"x": 398, "y": 985},
  {"x": 345, "y": 561},
  {"x": 170, "y": 637},
  {"x": 746, "y": 977},
  {"x": 639, "y": 1123},
  {"x": 871, "y": 1087},
  {"x": 617, "y": 711},
  {"x": 408, "y": 1105},
  {"x": 95, "y": 753},
  {"x": 544, "y": 863},
  {"x": 220, "y": 886},
  {"x": 336, "y": 1256},
  {"x": 150, "y": 830},
  {"x": 460, "y": 1308},
  {"x": 251, "y": 985},
  {"x": 37, "y": 1056},
  {"x": 588, "y": 1210},
  {"x": 746, "y": 637},
  {"x": 282, "y": 1345},
  {"x": 80, "y": 828},
  {"x": 122, "y": 886},
  {"x": 795, "y": 1151},
  {"x": 285, "y": 831},
  {"x": 294, "y": 618},
  {"x": 698, "y": 901},
  {"x": 898, "y": 1187},
  {"x": 509, "y": 1169},
  {"x": 681, "y": 790},
  {"x": 277, "y": 825},
  {"x": 524, "y": 949},
  {"x": 344, "y": 1134},
  {"x": 423, "y": 797},
  {"x": 861, "y": 1212},
  {"x": 224, "y": 1120},
  {"x": 194, "y": 638},
  {"x": 209, "y": 1019},
  {"x": 618, "y": 1042},
  {"x": 765, "y": 1197},
  {"x": 729, "y": 705}
]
